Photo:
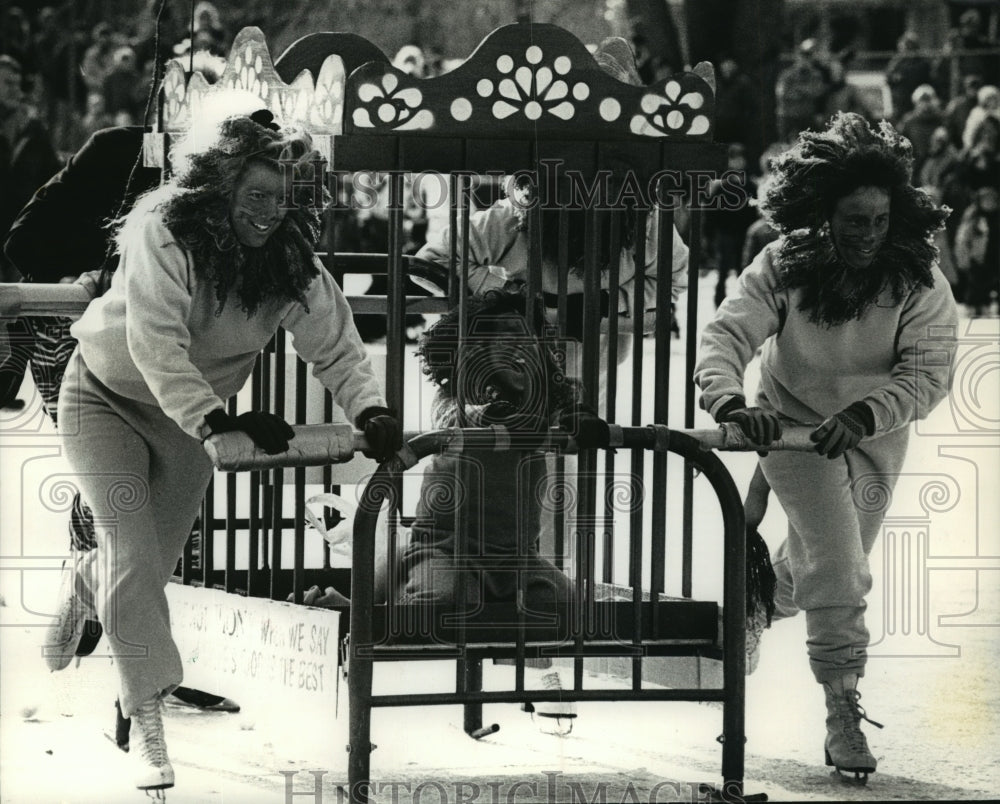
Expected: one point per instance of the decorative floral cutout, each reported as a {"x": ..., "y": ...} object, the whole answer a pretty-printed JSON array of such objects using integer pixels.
[
  {"x": 328, "y": 99},
  {"x": 534, "y": 88},
  {"x": 317, "y": 105},
  {"x": 246, "y": 69},
  {"x": 548, "y": 81},
  {"x": 674, "y": 112},
  {"x": 175, "y": 107},
  {"x": 387, "y": 105}
]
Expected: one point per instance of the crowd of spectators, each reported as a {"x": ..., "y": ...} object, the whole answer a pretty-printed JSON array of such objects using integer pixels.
[
  {"x": 947, "y": 103},
  {"x": 77, "y": 82},
  {"x": 58, "y": 85}
]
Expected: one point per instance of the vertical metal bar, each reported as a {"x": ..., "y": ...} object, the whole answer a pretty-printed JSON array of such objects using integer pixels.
[
  {"x": 278, "y": 476},
  {"x": 187, "y": 558},
  {"x": 617, "y": 220},
  {"x": 524, "y": 537},
  {"x": 338, "y": 275},
  {"x": 472, "y": 669},
  {"x": 455, "y": 188},
  {"x": 253, "y": 548},
  {"x": 638, "y": 456},
  {"x": 586, "y": 482},
  {"x": 733, "y": 639},
  {"x": 464, "y": 523},
  {"x": 559, "y": 515},
  {"x": 664, "y": 281},
  {"x": 299, "y": 546},
  {"x": 534, "y": 313},
  {"x": 533, "y": 307},
  {"x": 328, "y": 475},
  {"x": 266, "y": 404},
  {"x": 361, "y": 641},
  {"x": 395, "y": 342},
  {"x": 229, "y": 577},
  {"x": 691, "y": 345},
  {"x": 395, "y": 303},
  {"x": 206, "y": 550}
]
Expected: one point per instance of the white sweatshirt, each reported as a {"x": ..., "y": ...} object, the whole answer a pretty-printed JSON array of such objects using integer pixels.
[
  {"x": 500, "y": 250},
  {"x": 898, "y": 357},
  {"x": 154, "y": 336}
]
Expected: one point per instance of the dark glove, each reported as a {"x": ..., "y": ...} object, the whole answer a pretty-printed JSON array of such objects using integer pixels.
[
  {"x": 760, "y": 426},
  {"x": 382, "y": 432},
  {"x": 843, "y": 431},
  {"x": 587, "y": 428},
  {"x": 269, "y": 432}
]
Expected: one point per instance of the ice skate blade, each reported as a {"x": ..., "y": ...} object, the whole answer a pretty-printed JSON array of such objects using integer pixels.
[
  {"x": 860, "y": 774},
  {"x": 202, "y": 701},
  {"x": 121, "y": 746},
  {"x": 860, "y": 778},
  {"x": 558, "y": 725},
  {"x": 157, "y": 788},
  {"x": 152, "y": 784}
]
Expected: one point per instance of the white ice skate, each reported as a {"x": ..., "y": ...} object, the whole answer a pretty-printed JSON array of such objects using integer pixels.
[
  {"x": 846, "y": 748},
  {"x": 154, "y": 772},
  {"x": 552, "y": 717},
  {"x": 75, "y": 610}
]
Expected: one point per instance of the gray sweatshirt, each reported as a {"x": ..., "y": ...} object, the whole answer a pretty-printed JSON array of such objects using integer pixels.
[
  {"x": 898, "y": 357},
  {"x": 155, "y": 337}
]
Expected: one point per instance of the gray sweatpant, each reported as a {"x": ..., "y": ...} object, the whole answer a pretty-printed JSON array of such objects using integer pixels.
[
  {"x": 145, "y": 479},
  {"x": 835, "y": 510}
]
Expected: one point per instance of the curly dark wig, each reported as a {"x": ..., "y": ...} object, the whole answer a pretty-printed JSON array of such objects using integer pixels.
[
  {"x": 195, "y": 206},
  {"x": 440, "y": 349},
  {"x": 807, "y": 182}
]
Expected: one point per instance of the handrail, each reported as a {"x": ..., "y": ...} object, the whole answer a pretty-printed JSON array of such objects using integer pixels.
[
  {"x": 68, "y": 300},
  {"x": 321, "y": 444},
  {"x": 58, "y": 299}
]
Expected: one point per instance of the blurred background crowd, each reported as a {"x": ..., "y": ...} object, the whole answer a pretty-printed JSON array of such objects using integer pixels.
[{"x": 930, "y": 67}]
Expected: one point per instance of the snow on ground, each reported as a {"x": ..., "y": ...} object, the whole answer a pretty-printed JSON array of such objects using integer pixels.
[{"x": 931, "y": 679}]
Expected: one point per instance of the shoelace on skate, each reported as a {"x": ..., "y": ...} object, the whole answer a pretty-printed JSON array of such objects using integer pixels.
[
  {"x": 851, "y": 715},
  {"x": 859, "y": 710},
  {"x": 551, "y": 681},
  {"x": 150, "y": 723}
]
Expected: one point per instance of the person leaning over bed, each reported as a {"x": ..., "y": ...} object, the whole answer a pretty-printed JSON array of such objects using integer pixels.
[
  {"x": 857, "y": 328},
  {"x": 212, "y": 263}
]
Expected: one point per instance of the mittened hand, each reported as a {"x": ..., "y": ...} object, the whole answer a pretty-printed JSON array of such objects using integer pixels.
[
  {"x": 587, "y": 428},
  {"x": 759, "y": 425},
  {"x": 382, "y": 432},
  {"x": 843, "y": 431},
  {"x": 268, "y": 431}
]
